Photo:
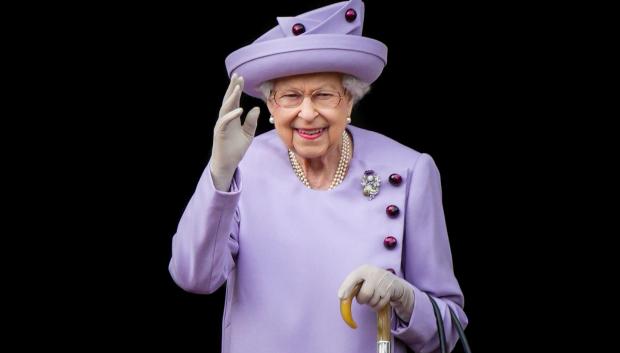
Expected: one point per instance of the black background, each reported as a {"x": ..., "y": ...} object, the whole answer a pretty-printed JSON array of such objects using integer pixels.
[{"x": 140, "y": 88}]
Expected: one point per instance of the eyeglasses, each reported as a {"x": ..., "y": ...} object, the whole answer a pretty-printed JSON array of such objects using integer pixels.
[{"x": 320, "y": 98}]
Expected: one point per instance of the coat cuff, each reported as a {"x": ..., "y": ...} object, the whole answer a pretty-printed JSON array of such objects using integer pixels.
[
  {"x": 222, "y": 196},
  {"x": 417, "y": 332}
]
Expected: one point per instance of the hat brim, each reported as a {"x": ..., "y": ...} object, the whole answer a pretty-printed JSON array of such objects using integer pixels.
[{"x": 358, "y": 56}]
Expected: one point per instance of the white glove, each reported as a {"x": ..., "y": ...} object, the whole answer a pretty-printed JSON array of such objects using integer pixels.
[
  {"x": 380, "y": 287},
  {"x": 230, "y": 139}
]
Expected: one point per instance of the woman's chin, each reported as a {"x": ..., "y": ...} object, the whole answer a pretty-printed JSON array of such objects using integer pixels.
[{"x": 309, "y": 152}]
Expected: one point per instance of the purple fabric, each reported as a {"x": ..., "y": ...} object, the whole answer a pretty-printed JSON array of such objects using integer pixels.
[
  {"x": 330, "y": 44},
  {"x": 285, "y": 249}
]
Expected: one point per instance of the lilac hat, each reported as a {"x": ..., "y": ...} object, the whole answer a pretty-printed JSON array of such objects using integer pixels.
[{"x": 328, "y": 39}]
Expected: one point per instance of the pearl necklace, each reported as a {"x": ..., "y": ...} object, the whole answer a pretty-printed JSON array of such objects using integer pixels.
[{"x": 341, "y": 171}]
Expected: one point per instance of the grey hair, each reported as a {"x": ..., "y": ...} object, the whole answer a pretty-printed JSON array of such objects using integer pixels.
[
  {"x": 356, "y": 88},
  {"x": 265, "y": 88}
]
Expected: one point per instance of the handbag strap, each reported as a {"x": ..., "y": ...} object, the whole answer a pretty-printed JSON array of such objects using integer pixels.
[{"x": 443, "y": 346}]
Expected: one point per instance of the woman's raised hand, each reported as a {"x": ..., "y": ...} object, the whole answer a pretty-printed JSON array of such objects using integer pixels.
[{"x": 231, "y": 139}]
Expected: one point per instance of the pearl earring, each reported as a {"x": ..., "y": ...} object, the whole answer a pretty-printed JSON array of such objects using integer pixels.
[
  {"x": 272, "y": 120},
  {"x": 348, "y": 120}
]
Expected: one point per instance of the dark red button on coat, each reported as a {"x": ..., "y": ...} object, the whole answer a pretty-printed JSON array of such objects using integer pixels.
[
  {"x": 390, "y": 242},
  {"x": 395, "y": 179},
  {"x": 392, "y": 211}
]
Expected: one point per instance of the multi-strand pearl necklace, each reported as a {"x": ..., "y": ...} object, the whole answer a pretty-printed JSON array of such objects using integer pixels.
[{"x": 341, "y": 171}]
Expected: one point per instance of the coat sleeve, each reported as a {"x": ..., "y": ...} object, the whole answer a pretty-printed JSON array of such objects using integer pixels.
[
  {"x": 205, "y": 245},
  {"x": 427, "y": 262}
]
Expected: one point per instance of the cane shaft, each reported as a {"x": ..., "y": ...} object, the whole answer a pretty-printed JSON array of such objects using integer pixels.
[{"x": 384, "y": 332}]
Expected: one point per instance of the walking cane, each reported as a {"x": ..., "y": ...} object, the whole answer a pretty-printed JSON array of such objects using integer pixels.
[{"x": 384, "y": 335}]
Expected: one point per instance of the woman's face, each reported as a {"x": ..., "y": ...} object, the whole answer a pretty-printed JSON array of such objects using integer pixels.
[{"x": 323, "y": 104}]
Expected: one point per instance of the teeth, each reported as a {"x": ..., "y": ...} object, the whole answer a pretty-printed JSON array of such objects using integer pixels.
[{"x": 311, "y": 132}]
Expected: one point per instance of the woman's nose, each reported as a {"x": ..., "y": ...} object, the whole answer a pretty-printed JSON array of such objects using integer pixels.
[{"x": 306, "y": 109}]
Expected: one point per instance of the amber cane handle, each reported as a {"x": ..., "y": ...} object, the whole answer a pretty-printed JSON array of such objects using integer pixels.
[
  {"x": 384, "y": 333},
  {"x": 345, "y": 306}
]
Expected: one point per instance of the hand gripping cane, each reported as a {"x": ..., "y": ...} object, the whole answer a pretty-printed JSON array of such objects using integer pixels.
[{"x": 384, "y": 334}]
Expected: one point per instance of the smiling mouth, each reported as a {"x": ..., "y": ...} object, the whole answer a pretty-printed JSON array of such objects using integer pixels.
[
  {"x": 311, "y": 131},
  {"x": 310, "y": 134}
]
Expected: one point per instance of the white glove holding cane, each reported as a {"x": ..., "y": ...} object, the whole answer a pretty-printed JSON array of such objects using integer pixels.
[
  {"x": 231, "y": 139},
  {"x": 380, "y": 287}
]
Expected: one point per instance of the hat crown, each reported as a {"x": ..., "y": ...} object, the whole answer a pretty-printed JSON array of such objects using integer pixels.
[
  {"x": 327, "y": 39},
  {"x": 330, "y": 19}
]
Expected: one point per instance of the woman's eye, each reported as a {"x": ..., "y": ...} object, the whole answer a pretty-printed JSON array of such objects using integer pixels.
[
  {"x": 324, "y": 95},
  {"x": 291, "y": 95}
]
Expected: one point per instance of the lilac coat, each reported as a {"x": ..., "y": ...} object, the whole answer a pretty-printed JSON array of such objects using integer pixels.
[{"x": 285, "y": 249}]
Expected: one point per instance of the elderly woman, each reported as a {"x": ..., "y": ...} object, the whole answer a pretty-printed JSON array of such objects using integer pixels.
[{"x": 299, "y": 217}]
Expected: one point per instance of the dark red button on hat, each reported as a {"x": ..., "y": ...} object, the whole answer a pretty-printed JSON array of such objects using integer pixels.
[
  {"x": 390, "y": 242},
  {"x": 298, "y": 29},
  {"x": 392, "y": 211},
  {"x": 350, "y": 15}
]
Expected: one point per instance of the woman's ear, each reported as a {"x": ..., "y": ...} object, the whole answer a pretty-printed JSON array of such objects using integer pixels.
[
  {"x": 270, "y": 106},
  {"x": 349, "y": 104}
]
